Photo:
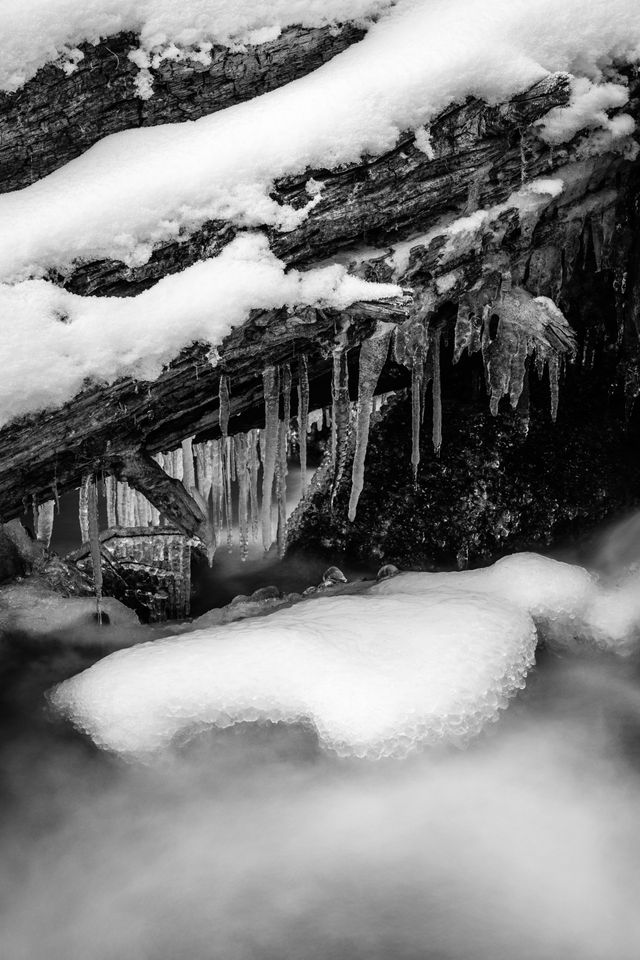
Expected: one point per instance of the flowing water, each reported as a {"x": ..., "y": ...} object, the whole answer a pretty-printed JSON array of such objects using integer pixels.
[{"x": 251, "y": 842}]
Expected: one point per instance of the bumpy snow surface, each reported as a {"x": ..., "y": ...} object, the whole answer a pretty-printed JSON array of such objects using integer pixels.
[
  {"x": 63, "y": 339},
  {"x": 415, "y": 660},
  {"x": 35, "y": 32},
  {"x": 376, "y": 675}
]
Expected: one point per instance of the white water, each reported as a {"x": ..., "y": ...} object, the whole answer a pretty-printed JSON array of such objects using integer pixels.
[{"x": 250, "y": 842}]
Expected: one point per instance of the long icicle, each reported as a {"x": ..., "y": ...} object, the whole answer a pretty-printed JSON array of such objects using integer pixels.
[
  {"x": 227, "y": 457},
  {"x": 281, "y": 467},
  {"x": 111, "y": 488},
  {"x": 373, "y": 355},
  {"x": 241, "y": 447},
  {"x": 83, "y": 508},
  {"x": 303, "y": 418},
  {"x": 188, "y": 472},
  {"x": 417, "y": 375},
  {"x": 44, "y": 523},
  {"x": 269, "y": 448},
  {"x": 217, "y": 487},
  {"x": 254, "y": 469},
  {"x": 341, "y": 416},
  {"x": 436, "y": 388},
  {"x": 223, "y": 409},
  {"x": 94, "y": 540}
]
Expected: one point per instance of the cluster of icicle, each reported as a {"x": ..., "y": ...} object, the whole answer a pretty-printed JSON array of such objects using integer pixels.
[{"x": 509, "y": 325}]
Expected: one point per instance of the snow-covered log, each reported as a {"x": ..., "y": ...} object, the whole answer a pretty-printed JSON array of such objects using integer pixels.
[{"x": 57, "y": 115}]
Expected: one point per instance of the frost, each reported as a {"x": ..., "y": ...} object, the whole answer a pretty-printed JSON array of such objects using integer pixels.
[{"x": 46, "y": 362}]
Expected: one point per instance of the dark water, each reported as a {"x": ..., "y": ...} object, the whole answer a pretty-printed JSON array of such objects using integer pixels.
[{"x": 253, "y": 843}]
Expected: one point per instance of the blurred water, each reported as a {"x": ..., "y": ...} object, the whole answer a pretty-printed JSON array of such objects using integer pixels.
[{"x": 252, "y": 843}]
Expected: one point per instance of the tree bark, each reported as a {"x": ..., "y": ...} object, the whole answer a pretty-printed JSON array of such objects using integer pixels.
[{"x": 55, "y": 117}]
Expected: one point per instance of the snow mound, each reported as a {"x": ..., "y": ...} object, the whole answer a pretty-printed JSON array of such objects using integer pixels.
[
  {"x": 541, "y": 586},
  {"x": 140, "y": 187},
  {"x": 56, "y": 340},
  {"x": 377, "y": 676},
  {"x": 36, "y": 32},
  {"x": 570, "y": 605}
]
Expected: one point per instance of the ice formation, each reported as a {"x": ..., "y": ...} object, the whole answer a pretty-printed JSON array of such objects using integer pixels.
[
  {"x": 377, "y": 676},
  {"x": 303, "y": 417},
  {"x": 373, "y": 355},
  {"x": 281, "y": 460},
  {"x": 136, "y": 188},
  {"x": 340, "y": 415},
  {"x": 44, "y": 521},
  {"x": 58, "y": 340},
  {"x": 94, "y": 541},
  {"x": 508, "y": 325},
  {"x": 271, "y": 383},
  {"x": 83, "y": 509}
]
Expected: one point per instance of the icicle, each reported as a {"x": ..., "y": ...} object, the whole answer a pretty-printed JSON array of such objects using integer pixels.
[
  {"x": 253, "y": 461},
  {"x": 436, "y": 388},
  {"x": 110, "y": 488},
  {"x": 130, "y": 505},
  {"x": 269, "y": 448},
  {"x": 83, "y": 509},
  {"x": 228, "y": 503},
  {"x": 303, "y": 418},
  {"x": 553, "y": 363},
  {"x": 44, "y": 522},
  {"x": 373, "y": 354},
  {"x": 217, "y": 487},
  {"x": 241, "y": 448},
  {"x": 223, "y": 409},
  {"x": 341, "y": 416},
  {"x": 417, "y": 374},
  {"x": 188, "y": 473},
  {"x": 91, "y": 489},
  {"x": 281, "y": 461}
]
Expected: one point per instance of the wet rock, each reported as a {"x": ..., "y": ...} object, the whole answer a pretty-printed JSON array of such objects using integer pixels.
[{"x": 265, "y": 593}]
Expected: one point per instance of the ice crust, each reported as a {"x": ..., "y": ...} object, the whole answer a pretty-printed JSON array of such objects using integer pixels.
[
  {"x": 418, "y": 659},
  {"x": 54, "y": 340},
  {"x": 572, "y": 607},
  {"x": 139, "y": 187},
  {"x": 376, "y": 675}
]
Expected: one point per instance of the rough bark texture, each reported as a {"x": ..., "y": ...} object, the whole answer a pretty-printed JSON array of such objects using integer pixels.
[
  {"x": 478, "y": 152},
  {"x": 47, "y": 454},
  {"x": 55, "y": 117},
  {"x": 481, "y": 155}
]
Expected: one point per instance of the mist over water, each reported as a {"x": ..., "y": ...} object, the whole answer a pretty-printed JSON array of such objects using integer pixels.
[{"x": 251, "y": 842}]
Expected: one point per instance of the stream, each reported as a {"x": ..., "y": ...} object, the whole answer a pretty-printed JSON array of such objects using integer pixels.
[{"x": 252, "y": 842}]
